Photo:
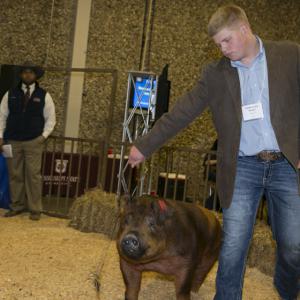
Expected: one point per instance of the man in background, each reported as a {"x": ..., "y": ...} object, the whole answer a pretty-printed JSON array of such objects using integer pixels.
[{"x": 27, "y": 117}]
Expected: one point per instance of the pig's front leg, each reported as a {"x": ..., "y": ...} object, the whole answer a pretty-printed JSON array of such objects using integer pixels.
[
  {"x": 132, "y": 279},
  {"x": 183, "y": 282}
]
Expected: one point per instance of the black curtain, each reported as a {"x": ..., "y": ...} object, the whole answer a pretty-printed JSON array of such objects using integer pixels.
[{"x": 9, "y": 78}]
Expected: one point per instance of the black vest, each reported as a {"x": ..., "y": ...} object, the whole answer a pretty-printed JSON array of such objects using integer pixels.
[{"x": 27, "y": 123}]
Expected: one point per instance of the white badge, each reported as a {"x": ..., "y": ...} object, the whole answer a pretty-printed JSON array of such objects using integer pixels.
[{"x": 252, "y": 111}]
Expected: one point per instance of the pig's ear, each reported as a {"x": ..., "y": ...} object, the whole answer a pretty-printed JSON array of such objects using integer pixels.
[
  {"x": 125, "y": 202},
  {"x": 161, "y": 209}
]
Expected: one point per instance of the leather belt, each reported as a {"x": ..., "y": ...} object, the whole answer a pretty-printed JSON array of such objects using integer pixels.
[{"x": 269, "y": 155}]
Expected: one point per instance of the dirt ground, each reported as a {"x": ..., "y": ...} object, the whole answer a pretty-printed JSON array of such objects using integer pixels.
[{"x": 49, "y": 260}]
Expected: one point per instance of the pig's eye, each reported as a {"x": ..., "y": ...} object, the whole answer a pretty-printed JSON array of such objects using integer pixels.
[
  {"x": 128, "y": 219},
  {"x": 151, "y": 223}
]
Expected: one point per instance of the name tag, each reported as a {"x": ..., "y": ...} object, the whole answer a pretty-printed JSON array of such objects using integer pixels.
[
  {"x": 36, "y": 99},
  {"x": 252, "y": 111}
]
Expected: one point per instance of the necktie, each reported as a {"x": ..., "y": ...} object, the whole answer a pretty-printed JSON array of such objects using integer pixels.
[{"x": 26, "y": 97}]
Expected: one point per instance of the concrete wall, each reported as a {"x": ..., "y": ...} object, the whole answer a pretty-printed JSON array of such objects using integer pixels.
[
  {"x": 178, "y": 37},
  {"x": 24, "y": 35},
  {"x": 115, "y": 38}
]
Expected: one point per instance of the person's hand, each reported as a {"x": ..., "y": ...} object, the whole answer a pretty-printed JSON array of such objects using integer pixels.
[
  {"x": 135, "y": 157},
  {"x": 298, "y": 164},
  {"x": 1, "y": 143}
]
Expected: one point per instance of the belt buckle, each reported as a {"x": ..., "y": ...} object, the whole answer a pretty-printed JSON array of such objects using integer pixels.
[{"x": 269, "y": 155}]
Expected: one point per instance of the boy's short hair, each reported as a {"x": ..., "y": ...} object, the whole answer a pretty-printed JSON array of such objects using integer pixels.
[{"x": 226, "y": 16}]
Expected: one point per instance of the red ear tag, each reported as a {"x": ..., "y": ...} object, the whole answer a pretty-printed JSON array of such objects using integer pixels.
[{"x": 162, "y": 205}]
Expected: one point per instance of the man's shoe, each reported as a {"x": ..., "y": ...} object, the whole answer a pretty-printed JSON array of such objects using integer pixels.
[
  {"x": 35, "y": 216},
  {"x": 12, "y": 213}
]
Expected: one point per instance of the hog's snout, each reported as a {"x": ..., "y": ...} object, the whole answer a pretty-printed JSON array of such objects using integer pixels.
[
  {"x": 130, "y": 242},
  {"x": 131, "y": 246}
]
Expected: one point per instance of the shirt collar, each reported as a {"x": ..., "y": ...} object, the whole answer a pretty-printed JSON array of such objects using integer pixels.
[
  {"x": 259, "y": 56},
  {"x": 31, "y": 86}
]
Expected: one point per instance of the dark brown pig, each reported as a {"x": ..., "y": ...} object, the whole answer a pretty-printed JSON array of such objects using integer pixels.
[{"x": 168, "y": 237}]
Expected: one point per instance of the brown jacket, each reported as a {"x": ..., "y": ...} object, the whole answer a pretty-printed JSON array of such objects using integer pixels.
[{"x": 219, "y": 89}]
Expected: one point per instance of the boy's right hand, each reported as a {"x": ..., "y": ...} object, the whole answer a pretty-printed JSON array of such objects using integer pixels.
[{"x": 135, "y": 157}]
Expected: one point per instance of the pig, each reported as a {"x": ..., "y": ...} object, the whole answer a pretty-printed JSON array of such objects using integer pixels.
[{"x": 169, "y": 237}]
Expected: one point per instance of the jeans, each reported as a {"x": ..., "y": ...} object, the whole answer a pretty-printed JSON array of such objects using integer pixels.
[{"x": 279, "y": 181}]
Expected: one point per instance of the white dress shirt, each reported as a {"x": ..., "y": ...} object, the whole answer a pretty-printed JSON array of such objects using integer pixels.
[{"x": 48, "y": 112}]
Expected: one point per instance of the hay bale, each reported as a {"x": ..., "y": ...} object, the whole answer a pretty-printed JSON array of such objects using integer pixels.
[
  {"x": 262, "y": 253},
  {"x": 95, "y": 211}
]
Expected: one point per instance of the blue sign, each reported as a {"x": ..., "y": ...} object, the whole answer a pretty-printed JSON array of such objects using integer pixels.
[{"x": 143, "y": 92}]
